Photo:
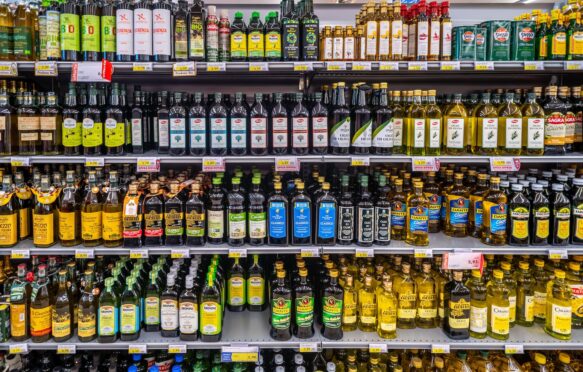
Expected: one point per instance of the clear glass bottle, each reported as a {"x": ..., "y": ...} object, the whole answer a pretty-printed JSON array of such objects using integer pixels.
[
  {"x": 456, "y": 128},
  {"x": 559, "y": 307},
  {"x": 498, "y": 302},
  {"x": 417, "y": 217}
]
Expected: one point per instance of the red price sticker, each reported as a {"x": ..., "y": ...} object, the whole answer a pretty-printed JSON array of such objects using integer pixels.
[{"x": 92, "y": 71}]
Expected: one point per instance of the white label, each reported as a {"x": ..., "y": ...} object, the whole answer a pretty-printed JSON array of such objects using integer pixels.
[
  {"x": 349, "y": 48},
  {"x": 163, "y": 132},
  {"x": 280, "y": 132},
  {"x": 8, "y": 69},
  {"x": 198, "y": 133},
  {"x": 397, "y": 132},
  {"x": 561, "y": 319},
  {"x": 382, "y": 136},
  {"x": 364, "y": 252},
  {"x": 299, "y": 132},
  {"x": 535, "y": 137},
  {"x": 18, "y": 348},
  {"x": 363, "y": 137},
  {"x": 417, "y": 66},
  {"x": 258, "y": 133},
  {"x": 328, "y": 48},
  {"x": 143, "y": 31},
  {"x": 69, "y": 123},
  {"x": 397, "y": 38},
  {"x": 478, "y": 319},
  {"x": 423, "y": 253},
  {"x": 188, "y": 317},
  {"x": 440, "y": 349},
  {"x": 371, "y": 38},
  {"x": 484, "y": 66},
  {"x": 219, "y": 133},
  {"x": 237, "y": 252},
  {"x": 377, "y": 348},
  {"x": 303, "y": 66},
  {"x": 489, "y": 133},
  {"x": 94, "y": 162},
  {"x": 168, "y": 315},
  {"x": 455, "y": 133},
  {"x": 258, "y": 66},
  {"x": 287, "y": 164},
  {"x": 446, "y": 28},
  {"x": 335, "y": 66},
  {"x": 138, "y": 253},
  {"x": 361, "y": 66},
  {"x": 21, "y": 161},
  {"x": 388, "y": 66},
  {"x": 46, "y": 69},
  {"x": 422, "y": 38},
  {"x": 183, "y": 69},
  {"x": 213, "y": 164},
  {"x": 419, "y": 133},
  {"x": 147, "y": 165},
  {"x": 239, "y": 133},
  {"x": 573, "y": 65},
  {"x": 338, "y": 47},
  {"x": 310, "y": 252},
  {"x": 504, "y": 164},
  {"x": 534, "y": 65},
  {"x": 435, "y": 38},
  {"x": 425, "y": 164},
  {"x": 81, "y": 254},
  {"x": 405, "y": 40},
  {"x": 513, "y": 133},
  {"x": 124, "y": 32},
  {"x": 216, "y": 67},
  {"x": 384, "y": 38},
  {"x": 434, "y": 133},
  {"x": 462, "y": 261},
  {"x": 89, "y": 71},
  {"x": 513, "y": 349},
  {"x": 308, "y": 347},
  {"x": 340, "y": 133},
  {"x": 359, "y": 161},
  {"x": 179, "y": 253},
  {"x": 18, "y": 254},
  {"x": 136, "y": 132},
  {"x": 450, "y": 66},
  {"x": 110, "y": 123},
  {"x": 558, "y": 254},
  {"x": 161, "y": 31}
]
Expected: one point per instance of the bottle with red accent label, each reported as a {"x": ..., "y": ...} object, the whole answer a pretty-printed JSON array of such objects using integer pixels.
[
  {"x": 509, "y": 127},
  {"x": 161, "y": 31},
  {"x": 258, "y": 118},
  {"x": 319, "y": 126},
  {"x": 142, "y": 31},
  {"x": 124, "y": 31},
  {"x": 218, "y": 127},
  {"x": 238, "y": 120},
  {"x": 153, "y": 212},
  {"x": 162, "y": 122},
  {"x": 434, "y": 32},
  {"x": 40, "y": 307},
  {"x": 280, "y": 126},
  {"x": 446, "y": 29},
  {"x": 533, "y": 126},
  {"x": 177, "y": 126},
  {"x": 422, "y": 33},
  {"x": 212, "y": 35},
  {"x": 197, "y": 126},
  {"x": 300, "y": 134},
  {"x": 132, "y": 218},
  {"x": 570, "y": 118},
  {"x": 554, "y": 123}
]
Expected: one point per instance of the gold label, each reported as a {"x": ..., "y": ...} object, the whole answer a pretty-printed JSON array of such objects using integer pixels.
[
  {"x": 44, "y": 229},
  {"x": 67, "y": 225},
  {"x": 28, "y": 123},
  {"x": 91, "y": 225},
  {"x": 48, "y": 123},
  {"x": 8, "y": 229},
  {"x": 40, "y": 321},
  {"x": 112, "y": 225}
]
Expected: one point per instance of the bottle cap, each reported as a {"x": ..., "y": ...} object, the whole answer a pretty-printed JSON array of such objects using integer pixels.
[
  {"x": 540, "y": 358},
  {"x": 516, "y": 187},
  {"x": 557, "y": 187},
  {"x": 560, "y": 274}
]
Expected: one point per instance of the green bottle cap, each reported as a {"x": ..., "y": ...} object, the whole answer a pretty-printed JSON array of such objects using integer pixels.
[
  {"x": 255, "y": 15},
  {"x": 238, "y": 15}
]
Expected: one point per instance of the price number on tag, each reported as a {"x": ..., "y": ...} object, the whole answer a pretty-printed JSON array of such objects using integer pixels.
[
  {"x": 361, "y": 66},
  {"x": 335, "y": 66},
  {"x": 287, "y": 164},
  {"x": 138, "y": 253},
  {"x": 94, "y": 162},
  {"x": 82, "y": 254},
  {"x": 8, "y": 69},
  {"x": 137, "y": 349},
  {"x": 20, "y": 254},
  {"x": 388, "y": 66},
  {"x": 303, "y": 66},
  {"x": 148, "y": 165},
  {"x": 484, "y": 66},
  {"x": 417, "y": 66},
  {"x": 19, "y": 161},
  {"x": 179, "y": 253},
  {"x": 66, "y": 349},
  {"x": 180, "y": 69},
  {"x": 360, "y": 161},
  {"x": 213, "y": 164},
  {"x": 176, "y": 349},
  {"x": 45, "y": 69},
  {"x": 258, "y": 66},
  {"x": 308, "y": 347},
  {"x": 558, "y": 254},
  {"x": 364, "y": 252},
  {"x": 142, "y": 67},
  {"x": 237, "y": 252},
  {"x": 423, "y": 253},
  {"x": 18, "y": 349},
  {"x": 450, "y": 66},
  {"x": 377, "y": 348},
  {"x": 514, "y": 349},
  {"x": 440, "y": 349},
  {"x": 534, "y": 65},
  {"x": 310, "y": 252}
]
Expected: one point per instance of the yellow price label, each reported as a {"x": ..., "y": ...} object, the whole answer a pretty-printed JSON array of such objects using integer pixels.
[
  {"x": 137, "y": 349},
  {"x": 237, "y": 253},
  {"x": 82, "y": 254},
  {"x": 18, "y": 163},
  {"x": 310, "y": 252},
  {"x": 8, "y": 69},
  {"x": 145, "y": 162},
  {"x": 310, "y": 347},
  {"x": 440, "y": 349},
  {"x": 244, "y": 357},
  {"x": 177, "y": 349},
  {"x": 94, "y": 162},
  {"x": 417, "y": 66},
  {"x": 18, "y": 349},
  {"x": 573, "y": 65},
  {"x": 364, "y": 252},
  {"x": 179, "y": 253},
  {"x": 138, "y": 253},
  {"x": 20, "y": 254},
  {"x": 301, "y": 67},
  {"x": 514, "y": 349},
  {"x": 140, "y": 68},
  {"x": 423, "y": 253},
  {"x": 210, "y": 162},
  {"x": 258, "y": 66},
  {"x": 283, "y": 162},
  {"x": 388, "y": 66},
  {"x": 213, "y": 68},
  {"x": 66, "y": 349},
  {"x": 484, "y": 66}
]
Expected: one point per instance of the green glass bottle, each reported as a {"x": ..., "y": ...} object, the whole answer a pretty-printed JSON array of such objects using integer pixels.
[{"x": 108, "y": 317}]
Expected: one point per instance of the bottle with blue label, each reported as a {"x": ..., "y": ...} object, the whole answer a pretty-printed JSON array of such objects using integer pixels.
[
  {"x": 417, "y": 217},
  {"x": 457, "y": 209},
  {"x": 493, "y": 230},
  {"x": 382, "y": 214},
  {"x": 398, "y": 212},
  {"x": 432, "y": 192},
  {"x": 326, "y": 219},
  {"x": 301, "y": 215},
  {"x": 277, "y": 217},
  {"x": 364, "y": 215},
  {"x": 477, "y": 205}
]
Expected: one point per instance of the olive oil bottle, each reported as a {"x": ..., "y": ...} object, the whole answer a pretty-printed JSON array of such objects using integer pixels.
[
  {"x": 108, "y": 313},
  {"x": 153, "y": 211},
  {"x": 8, "y": 214},
  {"x": 540, "y": 229},
  {"x": 510, "y": 127},
  {"x": 92, "y": 214},
  {"x": 416, "y": 126},
  {"x": 399, "y": 115},
  {"x": 524, "y": 295},
  {"x": 560, "y": 216},
  {"x": 485, "y": 122},
  {"x": 281, "y": 309},
  {"x": 387, "y": 310},
  {"x": 498, "y": 307},
  {"x": 493, "y": 230},
  {"x": 417, "y": 217},
  {"x": 478, "y": 305},
  {"x": 426, "y": 298},
  {"x": 457, "y": 208},
  {"x": 112, "y": 219},
  {"x": 332, "y": 298},
  {"x": 69, "y": 213},
  {"x": 457, "y": 304},
  {"x": 45, "y": 215},
  {"x": 25, "y": 206},
  {"x": 255, "y": 286},
  {"x": 558, "y": 312},
  {"x": 399, "y": 211},
  {"x": 476, "y": 216},
  {"x": 519, "y": 210},
  {"x": 87, "y": 311},
  {"x": 533, "y": 127},
  {"x": 210, "y": 311},
  {"x": 132, "y": 218},
  {"x": 174, "y": 216},
  {"x": 62, "y": 310},
  {"x": 433, "y": 125},
  {"x": 349, "y": 304},
  {"x": 406, "y": 292}
]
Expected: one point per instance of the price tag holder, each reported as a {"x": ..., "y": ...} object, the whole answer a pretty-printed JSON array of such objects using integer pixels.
[
  {"x": 245, "y": 354},
  {"x": 138, "y": 253},
  {"x": 308, "y": 347},
  {"x": 504, "y": 164},
  {"x": 177, "y": 349},
  {"x": 359, "y": 161},
  {"x": 180, "y": 253},
  {"x": 377, "y": 348},
  {"x": 237, "y": 252},
  {"x": 182, "y": 69},
  {"x": 573, "y": 65},
  {"x": 143, "y": 67},
  {"x": 45, "y": 68},
  {"x": 213, "y": 164},
  {"x": 81, "y": 254},
  {"x": 303, "y": 66},
  {"x": 558, "y": 254},
  {"x": 425, "y": 164},
  {"x": 439, "y": 349},
  {"x": 417, "y": 66},
  {"x": 287, "y": 164},
  {"x": 534, "y": 65},
  {"x": 20, "y": 254},
  {"x": 514, "y": 349},
  {"x": 484, "y": 66},
  {"x": 19, "y": 161},
  {"x": 463, "y": 261},
  {"x": 66, "y": 349},
  {"x": 310, "y": 252},
  {"x": 388, "y": 66},
  {"x": 258, "y": 66},
  {"x": 450, "y": 66},
  {"x": 336, "y": 66},
  {"x": 148, "y": 165},
  {"x": 97, "y": 72},
  {"x": 364, "y": 252},
  {"x": 94, "y": 162},
  {"x": 8, "y": 69},
  {"x": 423, "y": 253},
  {"x": 18, "y": 349},
  {"x": 137, "y": 349},
  {"x": 361, "y": 66}
]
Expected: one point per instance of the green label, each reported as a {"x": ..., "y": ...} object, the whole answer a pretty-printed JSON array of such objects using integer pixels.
[
  {"x": 92, "y": 133},
  {"x": 114, "y": 133},
  {"x": 181, "y": 39},
  {"x": 22, "y": 41},
  {"x": 53, "y": 45},
  {"x": 70, "y": 32},
  {"x": 71, "y": 133},
  {"x": 332, "y": 312},
  {"x": 5, "y": 40},
  {"x": 108, "y": 34},
  {"x": 281, "y": 313},
  {"x": 304, "y": 311},
  {"x": 90, "y": 33}
]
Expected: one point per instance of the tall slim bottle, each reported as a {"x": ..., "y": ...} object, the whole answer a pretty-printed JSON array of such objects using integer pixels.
[
  {"x": 197, "y": 126},
  {"x": 196, "y": 32},
  {"x": 310, "y": 29},
  {"x": 142, "y": 26},
  {"x": 238, "y": 119},
  {"x": 301, "y": 215},
  {"x": 456, "y": 133},
  {"x": 258, "y": 118},
  {"x": 124, "y": 32},
  {"x": 277, "y": 214},
  {"x": 510, "y": 127},
  {"x": 300, "y": 132},
  {"x": 92, "y": 131},
  {"x": 416, "y": 126},
  {"x": 177, "y": 126},
  {"x": 114, "y": 124},
  {"x": 361, "y": 127},
  {"x": 382, "y": 134},
  {"x": 108, "y": 30},
  {"x": 162, "y": 31},
  {"x": 90, "y": 30},
  {"x": 280, "y": 130},
  {"x": 340, "y": 127},
  {"x": 218, "y": 127}
]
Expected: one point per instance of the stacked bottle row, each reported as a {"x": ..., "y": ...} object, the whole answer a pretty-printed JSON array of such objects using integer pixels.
[{"x": 98, "y": 121}]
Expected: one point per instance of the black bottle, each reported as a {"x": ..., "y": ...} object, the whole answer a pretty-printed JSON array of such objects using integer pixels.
[
  {"x": 361, "y": 124},
  {"x": 257, "y": 219},
  {"x": 137, "y": 124},
  {"x": 300, "y": 133},
  {"x": 364, "y": 216},
  {"x": 340, "y": 124},
  {"x": 238, "y": 135},
  {"x": 216, "y": 213},
  {"x": 279, "y": 126},
  {"x": 162, "y": 123},
  {"x": 345, "y": 213},
  {"x": 218, "y": 127},
  {"x": 177, "y": 126},
  {"x": 310, "y": 26},
  {"x": 236, "y": 216},
  {"x": 258, "y": 119},
  {"x": 197, "y": 126},
  {"x": 319, "y": 126},
  {"x": 382, "y": 137}
]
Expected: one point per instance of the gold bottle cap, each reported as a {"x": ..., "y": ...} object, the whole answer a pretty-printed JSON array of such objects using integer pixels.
[
  {"x": 476, "y": 274},
  {"x": 333, "y": 273},
  {"x": 329, "y": 264},
  {"x": 174, "y": 188},
  {"x": 523, "y": 265},
  {"x": 438, "y": 362},
  {"x": 418, "y": 184},
  {"x": 406, "y": 267},
  {"x": 278, "y": 265},
  {"x": 341, "y": 84},
  {"x": 417, "y": 363},
  {"x": 133, "y": 189},
  {"x": 385, "y": 86},
  {"x": 349, "y": 279},
  {"x": 564, "y": 358},
  {"x": 498, "y": 274},
  {"x": 560, "y": 274},
  {"x": 574, "y": 266},
  {"x": 459, "y": 176},
  {"x": 368, "y": 280},
  {"x": 303, "y": 271},
  {"x": 417, "y": 92},
  {"x": 432, "y": 92},
  {"x": 540, "y": 358},
  {"x": 505, "y": 266},
  {"x": 539, "y": 263},
  {"x": 281, "y": 274}
]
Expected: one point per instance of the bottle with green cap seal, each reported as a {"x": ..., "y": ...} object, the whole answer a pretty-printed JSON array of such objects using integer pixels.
[
  {"x": 238, "y": 39},
  {"x": 255, "y": 38},
  {"x": 272, "y": 38},
  {"x": 257, "y": 214},
  {"x": 236, "y": 216}
]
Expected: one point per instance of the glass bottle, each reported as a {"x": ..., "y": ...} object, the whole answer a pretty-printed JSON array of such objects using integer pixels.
[
  {"x": 152, "y": 304},
  {"x": 238, "y": 41},
  {"x": 169, "y": 308},
  {"x": 382, "y": 134},
  {"x": 132, "y": 219},
  {"x": 216, "y": 213},
  {"x": 92, "y": 131},
  {"x": 458, "y": 309},
  {"x": 433, "y": 125},
  {"x": 162, "y": 122},
  {"x": 361, "y": 127},
  {"x": 300, "y": 117},
  {"x": 556, "y": 37},
  {"x": 258, "y": 117},
  {"x": 301, "y": 214},
  {"x": 560, "y": 216},
  {"x": 326, "y": 223},
  {"x": 340, "y": 127},
  {"x": 40, "y": 307},
  {"x": 310, "y": 39},
  {"x": 519, "y": 211},
  {"x": 280, "y": 127},
  {"x": 153, "y": 212},
  {"x": 91, "y": 214},
  {"x": 498, "y": 302},
  {"x": 524, "y": 295},
  {"x": 108, "y": 30},
  {"x": 290, "y": 32},
  {"x": 8, "y": 128},
  {"x": 281, "y": 309},
  {"x": 406, "y": 293},
  {"x": 485, "y": 123},
  {"x": 87, "y": 310},
  {"x": 365, "y": 216},
  {"x": 161, "y": 31},
  {"x": 456, "y": 132},
  {"x": 28, "y": 123},
  {"x": 493, "y": 229},
  {"x": 195, "y": 218},
  {"x": 426, "y": 298},
  {"x": 72, "y": 124},
  {"x": 277, "y": 216},
  {"x": 129, "y": 327},
  {"x": 188, "y": 310},
  {"x": 108, "y": 313},
  {"x": 69, "y": 213},
  {"x": 332, "y": 298},
  {"x": 112, "y": 214},
  {"x": 181, "y": 31},
  {"x": 236, "y": 215},
  {"x": 417, "y": 217},
  {"x": 44, "y": 215},
  {"x": 198, "y": 126},
  {"x": 319, "y": 126},
  {"x": 540, "y": 216},
  {"x": 533, "y": 126},
  {"x": 416, "y": 126},
  {"x": 197, "y": 32},
  {"x": 90, "y": 30},
  {"x": 238, "y": 121},
  {"x": 177, "y": 127},
  {"x": 457, "y": 208},
  {"x": 173, "y": 217},
  {"x": 399, "y": 212},
  {"x": 50, "y": 130},
  {"x": 124, "y": 30},
  {"x": 367, "y": 306},
  {"x": 554, "y": 123},
  {"x": 255, "y": 38},
  {"x": 478, "y": 305},
  {"x": 304, "y": 307},
  {"x": 24, "y": 34},
  {"x": 510, "y": 127},
  {"x": 559, "y": 306},
  {"x": 236, "y": 287}
]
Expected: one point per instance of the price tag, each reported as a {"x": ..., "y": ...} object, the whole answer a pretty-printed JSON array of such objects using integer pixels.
[
  {"x": 94, "y": 162},
  {"x": 361, "y": 66},
  {"x": 377, "y": 348},
  {"x": 19, "y": 254},
  {"x": 449, "y": 66},
  {"x": 237, "y": 252},
  {"x": 287, "y": 164},
  {"x": 81, "y": 254},
  {"x": 87, "y": 72},
  {"x": 137, "y": 349},
  {"x": 181, "y": 69},
  {"x": 142, "y": 67},
  {"x": 310, "y": 252},
  {"x": 180, "y": 253},
  {"x": 216, "y": 67},
  {"x": 359, "y": 161},
  {"x": 18, "y": 349},
  {"x": 66, "y": 349},
  {"x": 534, "y": 65},
  {"x": 148, "y": 165},
  {"x": 364, "y": 252},
  {"x": 177, "y": 349},
  {"x": 388, "y": 66},
  {"x": 8, "y": 69},
  {"x": 308, "y": 347},
  {"x": 138, "y": 253},
  {"x": 573, "y": 65},
  {"x": 484, "y": 66},
  {"x": 463, "y": 261},
  {"x": 336, "y": 66},
  {"x": 417, "y": 66},
  {"x": 258, "y": 66},
  {"x": 45, "y": 68},
  {"x": 19, "y": 161},
  {"x": 504, "y": 164},
  {"x": 513, "y": 349},
  {"x": 425, "y": 164},
  {"x": 303, "y": 66},
  {"x": 423, "y": 253},
  {"x": 558, "y": 254},
  {"x": 213, "y": 164},
  {"x": 440, "y": 349},
  {"x": 246, "y": 354}
]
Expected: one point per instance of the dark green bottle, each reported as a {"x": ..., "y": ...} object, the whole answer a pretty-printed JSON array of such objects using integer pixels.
[{"x": 238, "y": 39}]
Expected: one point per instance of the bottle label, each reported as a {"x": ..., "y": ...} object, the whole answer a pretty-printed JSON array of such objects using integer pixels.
[
  {"x": 114, "y": 133},
  {"x": 40, "y": 321},
  {"x": 348, "y": 48},
  {"x": 577, "y": 43},
  {"x": 237, "y": 225},
  {"x": 422, "y": 38},
  {"x": 346, "y": 223},
  {"x": 388, "y": 317},
  {"x": 152, "y": 312},
  {"x": 173, "y": 222},
  {"x": 304, "y": 311},
  {"x": 239, "y": 133},
  {"x": 112, "y": 225},
  {"x": 6, "y": 38},
  {"x": 302, "y": 221},
  {"x": 177, "y": 133},
  {"x": 257, "y": 225},
  {"x": 434, "y": 133},
  {"x": 277, "y": 220},
  {"x": 18, "y": 323},
  {"x": 418, "y": 133},
  {"x": 340, "y": 134},
  {"x": 446, "y": 28},
  {"x": 219, "y": 133},
  {"x": 108, "y": 33},
  {"x": 70, "y": 31},
  {"x": 310, "y": 40},
  {"x": 195, "y": 224},
  {"x": 500, "y": 319},
  {"x": 371, "y": 38},
  {"x": 53, "y": 33},
  {"x": 362, "y": 43},
  {"x": 22, "y": 41},
  {"x": 256, "y": 291},
  {"x": 458, "y": 210},
  {"x": 529, "y": 308},
  {"x": 382, "y": 224},
  {"x": 86, "y": 324},
  {"x": 327, "y": 220},
  {"x": 398, "y": 214},
  {"x": 397, "y": 132},
  {"x": 519, "y": 222},
  {"x": 489, "y": 133},
  {"x": 542, "y": 222},
  {"x": 143, "y": 31},
  {"x": 188, "y": 317},
  {"x": 418, "y": 219},
  {"x": 273, "y": 44},
  {"x": 124, "y": 32},
  {"x": 8, "y": 229},
  {"x": 256, "y": 44},
  {"x": 258, "y": 133},
  {"x": 137, "y": 131},
  {"x": 281, "y": 313},
  {"x": 337, "y": 48},
  {"x": 153, "y": 226},
  {"x": 216, "y": 224},
  {"x": 196, "y": 50},
  {"x": 300, "y": 132},
  {"x": 363, "y": 136},
  {"x": 24, "y": 222},
  {"x": 540, "y": 305},
  {"x": 434, "y": 207},
  {"x": 280, "y": 132},
  {"x": 163, "y": 132},
  {"x": 332, "y": 312},
  {"x": 559, "y": 44},
  {"x": 61, "y": 326},
  {"x": 397, "y": 38},
  {"x": 44, "y": 230},
  {"x": 455, "y": 133},
  {"x": 435, "y": 37},
  {"x": 407, "y": 308},
  {"x": 412, "y": 41},
  {"x": 198, "y": 133},
  {"x": 561, "y": 319},
  {"x": 365, "y": 223},
  {"x": 562, "y": 220},
  {"x": 513, "y": 133},
  {"x": 238, "y": 45},
  {"x": 90, "y": 33},
  {"x": 92, "y": 133},
  {"x": 512, "y": 302},
  {"x": 479, "y": 212},
  {"x": 129, "y": 319},
  {"x": 495, "y": 214},
  {"x": 555, "y": 129},
  {"x": 161, "y": 32},
  {"x": 384, "y": 38},
  {"x": 320, "y": 131},
  {"x": 405, "y": 40},
  {"x": 328, "y": 49},
  {"x": 168, "y": 314},
  {"x": 478, "y": 319},
  {"x": 291, "y": 40},
  {"x": 236, "y": 291},
  {"x": 578, "y": 221},
  {"x": 382, "y": 136}
]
